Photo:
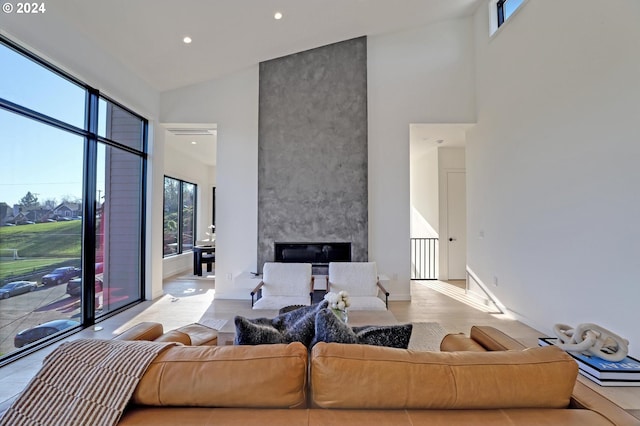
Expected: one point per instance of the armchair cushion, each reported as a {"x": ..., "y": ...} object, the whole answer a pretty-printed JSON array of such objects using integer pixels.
[
  {"x": 284, "y": 284},
  {"x": 286, "y": 279},
  {"x": 357, "y": 278}
]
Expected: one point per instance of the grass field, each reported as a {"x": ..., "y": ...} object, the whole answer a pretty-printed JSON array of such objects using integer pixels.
[{"x": 40, "y": 246}]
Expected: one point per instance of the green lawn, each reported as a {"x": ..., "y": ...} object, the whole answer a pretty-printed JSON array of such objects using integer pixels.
[
  {"x": 40, "y": 246},
  {"x": 11, "y": 268}
]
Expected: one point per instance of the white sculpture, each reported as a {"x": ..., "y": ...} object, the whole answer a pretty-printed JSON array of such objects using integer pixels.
[{"x": 592, "y": 339}]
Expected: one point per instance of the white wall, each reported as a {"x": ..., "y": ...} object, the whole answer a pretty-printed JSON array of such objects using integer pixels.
[
  {"x": 553, "y": 164},
  {"x": 423, "y": 75},
  {"x": 424, "y": 193},
  {"x": 231, "y": 103}
]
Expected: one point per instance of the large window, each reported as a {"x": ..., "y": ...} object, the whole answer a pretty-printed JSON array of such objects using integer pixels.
[
  {"x": 71, "y": 203},
  {"x": 179, "y": 216}
]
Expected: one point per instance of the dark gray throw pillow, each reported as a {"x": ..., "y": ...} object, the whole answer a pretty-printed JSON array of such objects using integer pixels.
[
  {"x": 251, "y": 333},
  {"x": 393, "y": 336},
  {"x": 293, "y": 326},
  {"x": 329, "y": 328}
]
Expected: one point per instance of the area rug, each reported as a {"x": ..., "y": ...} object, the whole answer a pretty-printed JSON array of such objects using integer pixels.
[
  {"x": 216, "y": 324},
  {"x": 426, "y": 336}
]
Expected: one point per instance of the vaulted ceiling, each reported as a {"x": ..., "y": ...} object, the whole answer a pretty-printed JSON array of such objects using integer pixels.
[{"x": 227, "y": 35}]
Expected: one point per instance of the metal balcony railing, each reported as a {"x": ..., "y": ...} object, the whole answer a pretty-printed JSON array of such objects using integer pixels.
[{"x": 423, "y": 258}]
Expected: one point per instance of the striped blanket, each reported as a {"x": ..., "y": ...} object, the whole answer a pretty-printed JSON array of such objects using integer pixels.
[{"x": 83, "y": 382}]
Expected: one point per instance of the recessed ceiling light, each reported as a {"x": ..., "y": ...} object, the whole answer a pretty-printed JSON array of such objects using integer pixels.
[
  {"x": 277, "y": 16},
  {"x": 187, "y": 40},
  {"x": 194, "y": 143}
]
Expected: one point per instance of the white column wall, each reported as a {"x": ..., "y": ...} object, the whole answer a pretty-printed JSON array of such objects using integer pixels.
[
  {"x": 423, "y": 75},
  {"x": 553, "y": 164}
]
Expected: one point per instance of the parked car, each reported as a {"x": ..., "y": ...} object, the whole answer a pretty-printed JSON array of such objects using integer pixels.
[
  {"x": 41, "y": 331},
  {"x": 60, "y": 275},
  {"x": 17, "y": 287},
  {"x": 74, "y": 286}
]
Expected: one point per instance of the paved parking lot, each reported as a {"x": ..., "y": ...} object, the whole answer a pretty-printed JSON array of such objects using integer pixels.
[{"x": 30, "y": 309}]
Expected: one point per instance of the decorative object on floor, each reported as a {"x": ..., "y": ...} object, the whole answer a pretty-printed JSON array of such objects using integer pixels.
[
  {"x": 116, "y": 365},
  {"x": 592, "y": 339},
  {"x": 294, "y": 326},
  {"x": 360, "y": 280},
  {"x": 339, "y": 303},
  {"x": 330, "y": 329},
  {"x": 605, "y": 373}
]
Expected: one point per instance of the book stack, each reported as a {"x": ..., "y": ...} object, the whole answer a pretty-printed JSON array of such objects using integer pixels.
[{"x": 604, "y": 373}]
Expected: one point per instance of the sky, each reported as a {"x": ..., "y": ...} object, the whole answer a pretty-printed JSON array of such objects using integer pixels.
[{"x": 34, "y": 157}]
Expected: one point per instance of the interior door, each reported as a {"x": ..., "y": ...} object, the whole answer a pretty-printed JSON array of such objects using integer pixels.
[{"x": 457, "y": 225}]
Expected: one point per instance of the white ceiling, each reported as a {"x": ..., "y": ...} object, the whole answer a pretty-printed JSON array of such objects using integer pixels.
[{"x": 228, "y": 35}]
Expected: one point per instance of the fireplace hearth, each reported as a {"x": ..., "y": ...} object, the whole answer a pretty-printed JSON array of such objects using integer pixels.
[{"x": 318, "y": 254}]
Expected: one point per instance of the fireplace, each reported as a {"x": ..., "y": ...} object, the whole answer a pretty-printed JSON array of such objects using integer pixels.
[{"x": 318, "y": 254}]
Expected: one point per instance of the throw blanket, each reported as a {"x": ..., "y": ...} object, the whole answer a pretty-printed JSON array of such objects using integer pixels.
[{"x": 84, "y": 382}]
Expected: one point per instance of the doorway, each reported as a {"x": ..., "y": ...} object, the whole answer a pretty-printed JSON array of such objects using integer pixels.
[{"x": 438, "y": 197}]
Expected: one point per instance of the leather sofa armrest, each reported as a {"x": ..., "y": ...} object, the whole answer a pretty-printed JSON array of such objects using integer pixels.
[
  {"x": 142, "y": 331},
  {"x": 200, "y": 335},
  {"x": 493, "y": 339},
  {"x": 175, "y": 336}
]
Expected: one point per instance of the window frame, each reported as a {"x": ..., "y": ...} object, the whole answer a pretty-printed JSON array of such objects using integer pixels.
[
  {"x": 89, "y": 173},
  {"x": 497, "y": 14},
  {"x": 180, "y": 220}
]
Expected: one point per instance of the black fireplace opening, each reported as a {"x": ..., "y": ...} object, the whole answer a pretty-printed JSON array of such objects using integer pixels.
[{"x": 318, "y": 254}]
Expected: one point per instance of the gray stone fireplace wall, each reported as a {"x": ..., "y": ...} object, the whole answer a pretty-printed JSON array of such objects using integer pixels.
[{"x": 312, "y": 155}]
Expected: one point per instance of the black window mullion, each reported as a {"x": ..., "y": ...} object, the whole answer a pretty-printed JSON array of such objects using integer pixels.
[
  {"x": 89, "y": 211},
  {"x": 500, "y": 11},
  {"x": 180, "y": 217}
]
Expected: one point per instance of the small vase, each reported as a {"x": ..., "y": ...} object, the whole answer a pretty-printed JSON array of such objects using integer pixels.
[{"x": 342, "y": 314}]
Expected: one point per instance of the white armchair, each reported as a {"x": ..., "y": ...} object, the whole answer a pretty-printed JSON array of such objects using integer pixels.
[
  {"x": 283, "y": 284},
  {"x": 360, "y": 280}
]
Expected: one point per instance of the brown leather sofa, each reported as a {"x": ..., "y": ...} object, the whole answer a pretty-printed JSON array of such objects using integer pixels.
[{"x": 483, "y": 379}]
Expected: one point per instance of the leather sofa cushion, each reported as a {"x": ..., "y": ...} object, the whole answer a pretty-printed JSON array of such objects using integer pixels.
[
  {"x": 265, "y": 376},
  {"x": 363, "y": 376}
]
